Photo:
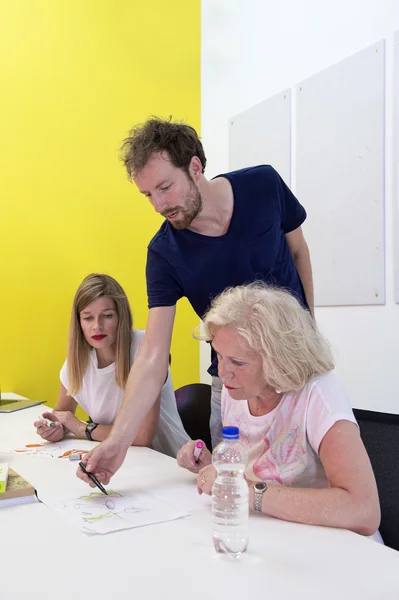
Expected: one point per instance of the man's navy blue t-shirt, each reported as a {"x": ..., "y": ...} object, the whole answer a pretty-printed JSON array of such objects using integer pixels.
[{"x": 199, "y": 267}]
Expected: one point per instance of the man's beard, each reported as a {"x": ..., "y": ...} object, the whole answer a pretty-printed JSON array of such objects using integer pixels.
[{"x": 192, "y": 208}]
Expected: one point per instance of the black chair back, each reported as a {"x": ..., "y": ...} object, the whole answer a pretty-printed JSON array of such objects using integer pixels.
[
  {"x": 194, "y": 407},
  {"x": 380, "y": 435}
]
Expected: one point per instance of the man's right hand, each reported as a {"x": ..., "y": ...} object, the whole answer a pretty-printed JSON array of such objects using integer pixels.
[{"x": 103, "y": 461}]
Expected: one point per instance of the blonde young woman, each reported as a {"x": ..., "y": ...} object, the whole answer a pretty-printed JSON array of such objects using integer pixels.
[
  {"x": 101, "y": 349},
  {"x": 306, "y": 460}
]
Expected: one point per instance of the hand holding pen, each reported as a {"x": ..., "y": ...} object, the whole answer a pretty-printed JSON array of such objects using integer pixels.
[
  {"x": 193, "y": 456},
  {"x": 49, "y": 427},
  {"x": 199, "y": 446},
  {"x": 93, "y": 478}
]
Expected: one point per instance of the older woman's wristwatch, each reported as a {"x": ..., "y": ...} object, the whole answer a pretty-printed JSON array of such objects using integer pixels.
[{"x": 259, "y": 489}]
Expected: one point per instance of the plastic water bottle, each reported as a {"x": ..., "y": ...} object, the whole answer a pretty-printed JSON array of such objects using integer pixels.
[{"x": 230, "y": 506}]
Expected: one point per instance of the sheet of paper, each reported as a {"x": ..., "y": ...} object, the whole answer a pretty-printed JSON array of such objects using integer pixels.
[
  {"x": 182, "y": 494},
  {"x": 96, "y": 513}
]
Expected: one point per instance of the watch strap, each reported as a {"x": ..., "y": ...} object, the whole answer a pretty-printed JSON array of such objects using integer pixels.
[
  {"x": 258, "y": 495},
  {"x": 90, "y": 427}
]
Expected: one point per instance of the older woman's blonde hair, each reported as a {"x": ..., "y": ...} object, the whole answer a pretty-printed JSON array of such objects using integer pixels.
[
  {"x": 275, "y": 325},
  {"x": 96, "y": 286}
]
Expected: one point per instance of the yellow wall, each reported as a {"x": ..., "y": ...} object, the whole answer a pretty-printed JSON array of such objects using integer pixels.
[{"x": 75, "y": 75}]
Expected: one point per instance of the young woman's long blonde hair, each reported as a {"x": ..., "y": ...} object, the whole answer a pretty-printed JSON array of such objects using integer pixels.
[
  {"x": 276, "y": 326},
  {"x": 95, "y": 286}
]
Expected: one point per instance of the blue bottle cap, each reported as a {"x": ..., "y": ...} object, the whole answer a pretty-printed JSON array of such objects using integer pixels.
[{"x": 230, "y": 433}]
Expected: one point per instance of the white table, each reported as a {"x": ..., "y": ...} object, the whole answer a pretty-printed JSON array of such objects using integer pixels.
[{"x": 42, "y": 556}]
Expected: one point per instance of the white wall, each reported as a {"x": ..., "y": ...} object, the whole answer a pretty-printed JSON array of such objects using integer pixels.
[{"x": 252, "y": 49}]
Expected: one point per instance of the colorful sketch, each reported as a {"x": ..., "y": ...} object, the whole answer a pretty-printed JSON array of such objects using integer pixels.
[
  {"x": 111, "y": 494},
  {"x": 62, "y": 449},
  {"x": 97, "y": 513}
]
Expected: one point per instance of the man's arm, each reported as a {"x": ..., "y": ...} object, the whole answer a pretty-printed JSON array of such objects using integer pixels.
[
  {"x": 144, "y": 385},
  {"x": 301, "y": 256},
  {"x": 147, "y": 375}
]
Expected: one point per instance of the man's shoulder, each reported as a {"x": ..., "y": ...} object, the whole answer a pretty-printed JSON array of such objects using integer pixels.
[
  {"x": 256, "y": 173},
  {"x": 160, "y": 237}
]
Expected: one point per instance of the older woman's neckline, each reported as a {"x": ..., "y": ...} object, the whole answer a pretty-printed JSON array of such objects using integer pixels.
[{"x": 259, "y": 407}]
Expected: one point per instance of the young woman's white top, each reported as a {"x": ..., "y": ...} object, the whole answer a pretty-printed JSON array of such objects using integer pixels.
[{"x": 101, "y": 398}]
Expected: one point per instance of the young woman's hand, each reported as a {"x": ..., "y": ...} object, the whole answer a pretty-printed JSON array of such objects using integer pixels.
[
  {"x": 49, "y": 433},
  {"x": 185, "y": 457},
  {"x": 70, "y": 422}
]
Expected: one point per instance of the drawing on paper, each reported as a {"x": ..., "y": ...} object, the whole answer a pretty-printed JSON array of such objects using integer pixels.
[
  {"x": 49, "y": 450},
  {"x": 108, "y": 515},
  {"x": 97, "y": 513},
  {"x": 92, "y": 507},
  {"x": 111, "y": 494}
]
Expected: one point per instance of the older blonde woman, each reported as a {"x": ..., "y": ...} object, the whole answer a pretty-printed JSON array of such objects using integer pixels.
[
  {"x": 102, "y": 347},
  {"x": 306, "y": 460}
]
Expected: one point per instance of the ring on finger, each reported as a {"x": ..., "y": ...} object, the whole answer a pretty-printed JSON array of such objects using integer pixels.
[{"x": 203, "y": 480}]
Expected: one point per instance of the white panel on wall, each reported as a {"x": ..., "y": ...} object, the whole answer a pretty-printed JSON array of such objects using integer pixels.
[
  {"x": 340, "y": 177},
  {"x": 395, "y": 170},
  {"x": 262, "y": 136}
]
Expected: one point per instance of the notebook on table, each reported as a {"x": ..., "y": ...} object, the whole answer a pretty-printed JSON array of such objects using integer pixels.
[
  {"x": 18, "y": 491},
  {"x": 10, "y": 402}
]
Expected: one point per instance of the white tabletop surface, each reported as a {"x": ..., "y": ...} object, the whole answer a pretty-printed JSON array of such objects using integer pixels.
[{"x": 43, "y": 556}]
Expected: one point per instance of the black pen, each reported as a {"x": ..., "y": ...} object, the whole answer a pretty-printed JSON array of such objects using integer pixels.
[{"x": 94, "y": 479}]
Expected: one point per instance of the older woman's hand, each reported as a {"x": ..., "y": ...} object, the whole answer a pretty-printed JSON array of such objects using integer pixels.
[
  {"x": 205, "y": 480},
  {"x": 185, "y": 457}
]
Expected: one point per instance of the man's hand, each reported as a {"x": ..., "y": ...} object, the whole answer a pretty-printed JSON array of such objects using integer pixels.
[{"x": 103, "y": 461}]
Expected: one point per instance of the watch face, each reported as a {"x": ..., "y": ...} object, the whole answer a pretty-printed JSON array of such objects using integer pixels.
[{"x": 260, "y": 486}]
